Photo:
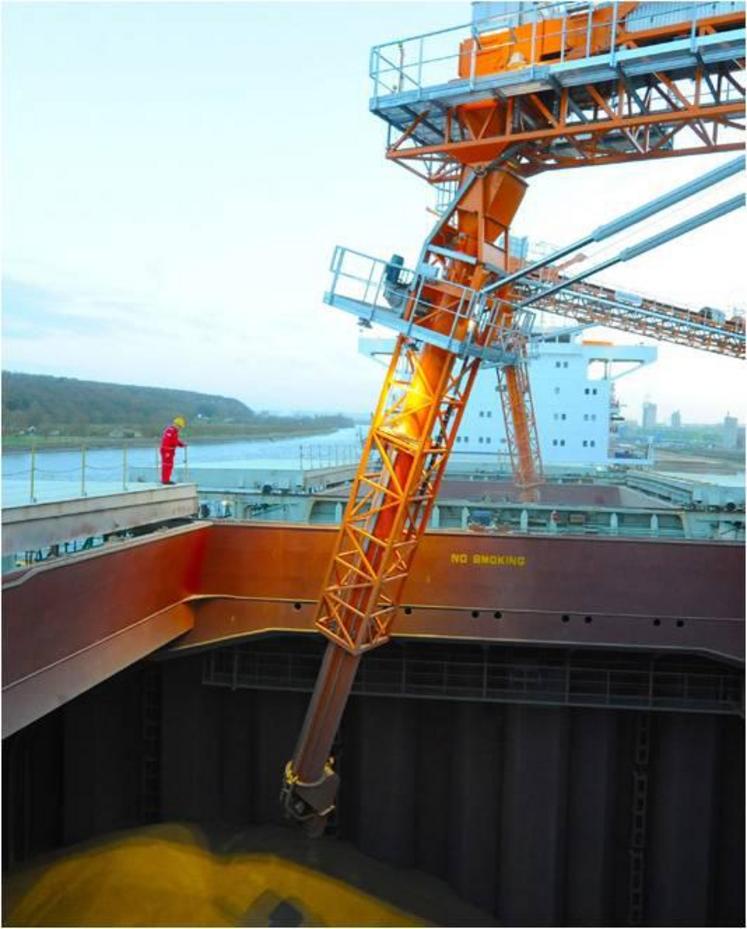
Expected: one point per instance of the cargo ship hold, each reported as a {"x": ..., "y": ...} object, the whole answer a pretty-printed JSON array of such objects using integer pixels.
[{"x": 483, "y": 672}]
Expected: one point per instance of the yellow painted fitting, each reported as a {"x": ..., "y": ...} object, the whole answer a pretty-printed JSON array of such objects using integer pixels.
[{"x": 291, "y": 778}]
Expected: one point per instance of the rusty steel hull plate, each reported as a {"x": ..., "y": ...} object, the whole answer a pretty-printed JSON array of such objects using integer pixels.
[{"x": 70, "y": 624}]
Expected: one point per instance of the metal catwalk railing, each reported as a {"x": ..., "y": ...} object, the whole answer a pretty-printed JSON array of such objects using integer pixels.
[
  {"x": 417, "y": 62},
  {"x": 39, "y": 478},
  {"x": 44, "y": 474},
  {"x": 570, "y": 681},
  {"x": 379, "y": 291}
]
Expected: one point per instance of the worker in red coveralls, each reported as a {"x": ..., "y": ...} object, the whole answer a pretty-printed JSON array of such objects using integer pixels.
[{"x": 170, "y": 441}]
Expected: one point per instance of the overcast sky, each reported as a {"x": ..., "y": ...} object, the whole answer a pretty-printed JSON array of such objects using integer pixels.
[{"x": 176, "y": 176}]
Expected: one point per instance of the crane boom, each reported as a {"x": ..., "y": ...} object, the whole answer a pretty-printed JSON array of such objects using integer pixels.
[
  {"x": 412, "y": 432},
  {"x": 592, "y": 84}
]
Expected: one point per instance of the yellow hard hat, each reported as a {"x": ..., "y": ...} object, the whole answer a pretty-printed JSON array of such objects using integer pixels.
[{"x": 180, "y": 421}]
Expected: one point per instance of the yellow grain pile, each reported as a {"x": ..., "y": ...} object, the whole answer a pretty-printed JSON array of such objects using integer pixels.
[{"x": 166, "y": 876}]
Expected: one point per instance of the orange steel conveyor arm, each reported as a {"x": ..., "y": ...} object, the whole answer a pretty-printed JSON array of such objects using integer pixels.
[
  {"x": 403, "y": 462},
  {"x": 427, "y": 387}
]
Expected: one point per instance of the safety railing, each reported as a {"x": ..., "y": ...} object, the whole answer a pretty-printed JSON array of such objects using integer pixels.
[
  {"x": 312, "y": 457},
  {"x": 512, "y": 41},
  {"x": 372, "y": 281},
  {"x": 383, "y": 291},
  {"x": 42, "y": 475},
  {"x": 558, "y": 683}
]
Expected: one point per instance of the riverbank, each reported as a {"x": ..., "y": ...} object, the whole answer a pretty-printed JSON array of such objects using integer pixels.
[
  {"x": 20, "y": 443},
  {"x": 715, "y": 461}
]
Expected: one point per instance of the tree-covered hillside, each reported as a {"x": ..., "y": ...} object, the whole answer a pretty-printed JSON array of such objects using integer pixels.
[{"x": 66, "y": 406}]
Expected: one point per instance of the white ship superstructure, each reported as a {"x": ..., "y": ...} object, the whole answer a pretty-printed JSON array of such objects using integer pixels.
[{"x": 572, "y": 380}]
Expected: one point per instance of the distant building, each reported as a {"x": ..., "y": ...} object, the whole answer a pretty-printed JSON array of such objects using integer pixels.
[
  {"x": 730, "y": 432},
  {"x": 676, "y": 420},
  {"x": 649, "y": 415}
]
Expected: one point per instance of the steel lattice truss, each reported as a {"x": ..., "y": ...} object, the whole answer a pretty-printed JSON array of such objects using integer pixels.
[
  {"x": 598, "y": 305},
  {"x": 390, "y": 502},
  {"x": 418, "y": 415},
  {"x": 569, "y": 127}
]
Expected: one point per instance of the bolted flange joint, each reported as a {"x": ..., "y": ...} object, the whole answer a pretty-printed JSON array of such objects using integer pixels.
[{"x": 309, "y": 802}]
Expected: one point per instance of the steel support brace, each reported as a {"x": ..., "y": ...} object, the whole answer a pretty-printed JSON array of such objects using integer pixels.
[
  {"x": 661, "y": 238},
  {"x": 641, "y": 213},
  {"x": 521, "y": 429}
]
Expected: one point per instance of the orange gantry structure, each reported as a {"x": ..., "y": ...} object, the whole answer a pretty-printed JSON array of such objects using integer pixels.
[
  {"x": 544, "y": 87},
  {"x": 567, "y": 85}
]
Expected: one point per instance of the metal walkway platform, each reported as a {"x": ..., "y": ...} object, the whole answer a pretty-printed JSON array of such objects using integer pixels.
[
  {"x": 399, "y": 108},
  {"x": 378, "y": 292},
  {"x": 35, "y": 526},
  {"x": 557, "y": 85}
]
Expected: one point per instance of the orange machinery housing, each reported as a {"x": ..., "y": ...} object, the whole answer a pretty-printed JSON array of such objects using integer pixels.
[{"x": 580, "y": 35}]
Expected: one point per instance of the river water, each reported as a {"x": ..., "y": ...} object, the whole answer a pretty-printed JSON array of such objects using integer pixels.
[{"x": 58, "y": 473}]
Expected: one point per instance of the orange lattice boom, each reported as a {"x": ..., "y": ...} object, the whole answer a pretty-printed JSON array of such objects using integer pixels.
[{"x": 550, "y": 88}]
